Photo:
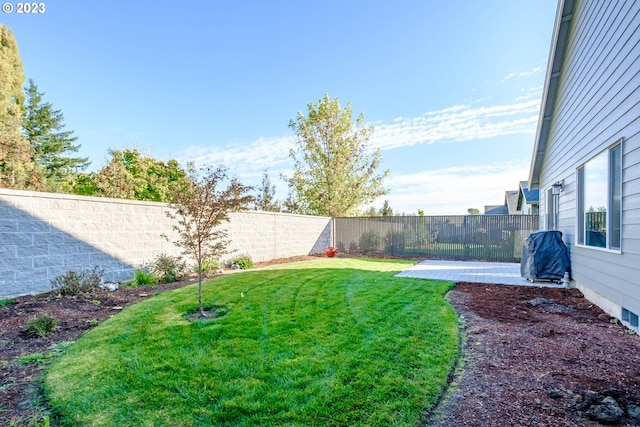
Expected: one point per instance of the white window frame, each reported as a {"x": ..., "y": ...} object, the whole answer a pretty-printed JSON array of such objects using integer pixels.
[{"x": 615, "y": 247}]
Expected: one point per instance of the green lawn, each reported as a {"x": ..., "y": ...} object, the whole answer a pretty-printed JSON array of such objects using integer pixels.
[{"x": 332, "y": 342}]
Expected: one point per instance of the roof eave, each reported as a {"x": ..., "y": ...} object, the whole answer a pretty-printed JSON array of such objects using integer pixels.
[{"x": 564, "y": 15}]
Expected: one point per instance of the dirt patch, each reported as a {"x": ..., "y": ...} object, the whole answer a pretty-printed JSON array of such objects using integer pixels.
[{"x": 532, "y": 356}]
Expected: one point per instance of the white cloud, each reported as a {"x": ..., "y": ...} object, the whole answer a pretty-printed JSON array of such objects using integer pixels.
[
  {"x": 458, "y": 123},
  {"x": 451, "y": 191},
  {"x": 445, "y": 191},
  {"x": 533, "y": 71},
  {"x": 245, "y": 160}
]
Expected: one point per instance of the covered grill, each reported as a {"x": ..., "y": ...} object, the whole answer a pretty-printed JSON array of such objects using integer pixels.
[{"x": 544, "y": 256}]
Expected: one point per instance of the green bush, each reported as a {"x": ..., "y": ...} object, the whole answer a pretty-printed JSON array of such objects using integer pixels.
[
  {"x": 243, "y": 261},
  {"x": 5, "y": 302},
  {"x": 144, "y": 278},
  {"x": 77, "y": 282},
  {"x": 370, "y": 241},
  {"x": 169, "y": 268},
  {"x": 42, "y": 325}
]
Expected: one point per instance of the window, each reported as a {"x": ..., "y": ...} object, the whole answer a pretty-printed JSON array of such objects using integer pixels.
[{"x": 599, "y": 200}]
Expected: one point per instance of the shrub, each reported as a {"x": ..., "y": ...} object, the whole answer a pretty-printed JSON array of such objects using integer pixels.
[
  {"x": 77, "y": 282},
  {"x": 243, "y": 261},
  {"x": 168, "y": 268},
  {"x": 41, "y": 325},
  {"x": 370, "y": 241},
  {"x": 144, "y": 278},
  {"x": 5, "y": 302}
]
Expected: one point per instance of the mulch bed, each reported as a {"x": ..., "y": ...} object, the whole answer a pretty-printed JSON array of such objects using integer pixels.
[
  {"x": 532, "y": 356},
  {"x": 537, "y": 356}
]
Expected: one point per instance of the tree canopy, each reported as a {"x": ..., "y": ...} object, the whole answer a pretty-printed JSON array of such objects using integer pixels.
[
  {"x": 266, "y": 198},
  {"x": 16, "y": 167},
  {"x": 200, "y": 209},
  {"x": 33, "y": 145},
  {"x": 43, "y": 129},
  {"x": 333, "y": 172},
  {"x": 131, "y": 175}
]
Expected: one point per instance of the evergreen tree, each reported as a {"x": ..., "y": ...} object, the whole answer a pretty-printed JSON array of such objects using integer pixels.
[
  {"x": 333, "y": 175},
  {"x": 43, "y": 129},
  {"x": 386, "y": 209},
  {"x": 265, "y": 200},
  {"x": 16, "y": 168}
]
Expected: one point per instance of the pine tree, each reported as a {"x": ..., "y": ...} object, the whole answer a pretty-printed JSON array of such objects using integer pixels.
[
  {"x": 265, "y": 200},
  {"x": 16, "y": 168},
  {"x": 386, "y": 209},
  {"x": 43, "y": 129}
]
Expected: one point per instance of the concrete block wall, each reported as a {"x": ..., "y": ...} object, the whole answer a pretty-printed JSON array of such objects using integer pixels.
[{"x": 44, "y": 235}]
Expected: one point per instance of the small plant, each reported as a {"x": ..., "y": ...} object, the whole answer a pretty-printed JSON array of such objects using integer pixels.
[
  {"x": 168, "y": 268},
  {"x": 93, "y": 322},
  {"x": 42, "y": 325},
  {"x": 35, "y": 358},
  {"x": 209, "y": 268},
  {"x": 96, "y": 302},
  {"x": 243, "y": 261},
  {"x": 77, "y": 282},
  {"x": 144, "y": 278},
  {"x": 5, "y": 302},
  {"x": 41, "y": 358},
  {"x": 36, "y": 417}
]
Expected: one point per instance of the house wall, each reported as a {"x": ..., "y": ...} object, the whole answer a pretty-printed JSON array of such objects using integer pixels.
[
  {"x": 44, "y": 235},
  {"x": 598, "y": 103}
]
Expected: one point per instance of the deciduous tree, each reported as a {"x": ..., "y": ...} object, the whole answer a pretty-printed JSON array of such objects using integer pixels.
[
  {"x": 131, "y": 175},
  {"x": 333, "y": 173},
  {"x": 200, "y": 210}
]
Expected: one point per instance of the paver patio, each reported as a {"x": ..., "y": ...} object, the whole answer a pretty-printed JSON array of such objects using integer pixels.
[{"x": 501, "y": 273}]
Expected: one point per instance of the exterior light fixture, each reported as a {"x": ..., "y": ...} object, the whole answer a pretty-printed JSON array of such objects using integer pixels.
[{"x": 556, "y": 188}]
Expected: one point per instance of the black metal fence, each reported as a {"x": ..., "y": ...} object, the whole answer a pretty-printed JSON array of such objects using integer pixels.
[{"x": 455, "y": 237}]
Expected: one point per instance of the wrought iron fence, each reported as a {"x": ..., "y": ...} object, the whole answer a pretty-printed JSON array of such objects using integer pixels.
[{"x": 456, "y": 237}]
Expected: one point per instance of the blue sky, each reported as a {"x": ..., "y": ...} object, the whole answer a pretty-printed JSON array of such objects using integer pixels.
[{"x": 452, "y": 87}]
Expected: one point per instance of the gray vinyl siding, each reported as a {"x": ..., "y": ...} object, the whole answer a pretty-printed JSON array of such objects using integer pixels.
[{"x": 597, "y": 104}]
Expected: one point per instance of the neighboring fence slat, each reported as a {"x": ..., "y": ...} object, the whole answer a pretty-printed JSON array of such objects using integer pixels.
[{"x": 456, "y": 237}]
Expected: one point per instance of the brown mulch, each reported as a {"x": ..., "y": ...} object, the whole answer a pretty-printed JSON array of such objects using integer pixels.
[
  {"x": 531, "y": 356},
  {"x": 539, "y": 356}
]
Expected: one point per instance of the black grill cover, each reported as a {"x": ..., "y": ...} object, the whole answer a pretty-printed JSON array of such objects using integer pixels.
[{"x": 544, "y": 256}]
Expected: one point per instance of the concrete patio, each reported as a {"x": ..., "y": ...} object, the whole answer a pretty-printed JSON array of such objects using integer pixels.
[{"x": 500, "y": 273}]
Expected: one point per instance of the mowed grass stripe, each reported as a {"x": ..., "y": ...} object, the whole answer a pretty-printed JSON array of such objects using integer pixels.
[{"x": 332, "y": 342}]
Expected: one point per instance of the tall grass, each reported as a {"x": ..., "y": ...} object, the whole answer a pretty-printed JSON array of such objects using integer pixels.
[{"x": 337, "y": 342}]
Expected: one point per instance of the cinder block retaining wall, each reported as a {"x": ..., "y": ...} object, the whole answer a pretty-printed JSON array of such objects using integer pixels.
[{"x": 43, "y": 235}]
